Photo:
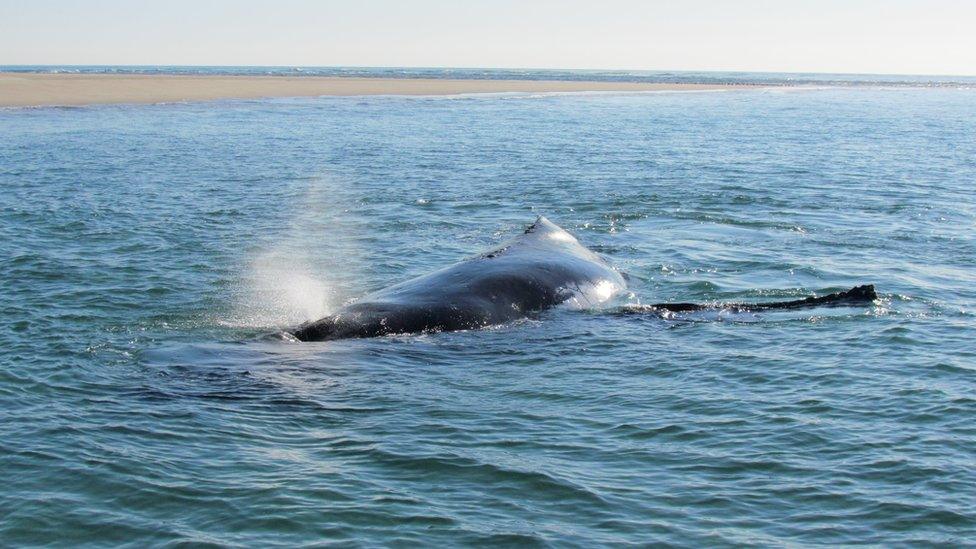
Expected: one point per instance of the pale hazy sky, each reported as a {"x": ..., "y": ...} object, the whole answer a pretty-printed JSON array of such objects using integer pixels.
[{"x": 876, "y": 36}]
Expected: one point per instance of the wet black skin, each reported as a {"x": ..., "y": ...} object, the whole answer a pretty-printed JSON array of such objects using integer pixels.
[
  {"x": 537, "y": 270},
  {"x": 857, "y": 295}
]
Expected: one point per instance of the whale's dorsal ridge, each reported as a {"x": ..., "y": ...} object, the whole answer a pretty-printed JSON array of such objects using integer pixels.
[
  {"x": 548, "y": 231},
  {"x": 542, "y": 224}
]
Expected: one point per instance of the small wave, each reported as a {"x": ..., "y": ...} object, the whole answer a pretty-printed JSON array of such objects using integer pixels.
[{"x": 519, "y": 95}]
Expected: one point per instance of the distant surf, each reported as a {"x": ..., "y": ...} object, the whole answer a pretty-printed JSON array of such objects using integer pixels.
[{"x": 574, "y": 75}]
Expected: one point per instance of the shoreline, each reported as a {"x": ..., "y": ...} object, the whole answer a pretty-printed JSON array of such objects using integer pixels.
[{"x": 52, "y": 90}]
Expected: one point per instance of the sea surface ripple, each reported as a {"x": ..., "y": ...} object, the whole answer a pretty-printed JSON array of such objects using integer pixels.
[{"x": 150, "y": 255}]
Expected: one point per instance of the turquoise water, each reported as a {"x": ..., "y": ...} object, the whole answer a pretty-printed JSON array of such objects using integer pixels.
[{"x": 150, "y": 255}]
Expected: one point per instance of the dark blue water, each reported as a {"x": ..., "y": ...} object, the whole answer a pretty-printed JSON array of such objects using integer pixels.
[
  {"x": 147, "y": 252},
  {"x": 643, "y": 76}
]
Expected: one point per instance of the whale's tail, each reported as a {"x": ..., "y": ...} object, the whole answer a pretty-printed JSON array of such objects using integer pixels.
[{"x": 858, "y": 295}]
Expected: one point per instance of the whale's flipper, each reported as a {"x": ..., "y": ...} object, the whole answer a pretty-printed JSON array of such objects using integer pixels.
[{"x": 855, "y": 296}]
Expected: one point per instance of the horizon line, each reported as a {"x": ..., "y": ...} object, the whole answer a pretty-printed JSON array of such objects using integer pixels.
[{"x": 443, "y": 67}]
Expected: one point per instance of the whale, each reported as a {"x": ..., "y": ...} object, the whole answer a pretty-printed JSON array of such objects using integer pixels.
[{"x": 541, "y": 268}]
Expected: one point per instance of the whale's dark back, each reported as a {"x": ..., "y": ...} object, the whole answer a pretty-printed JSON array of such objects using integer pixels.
[{"x": 542, "y": 268}]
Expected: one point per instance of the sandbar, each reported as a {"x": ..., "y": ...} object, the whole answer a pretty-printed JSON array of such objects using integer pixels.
[{"x": 43, "y": 89}]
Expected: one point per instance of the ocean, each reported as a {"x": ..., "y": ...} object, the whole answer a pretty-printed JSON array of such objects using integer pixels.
[{"x": 152, "y": 255}]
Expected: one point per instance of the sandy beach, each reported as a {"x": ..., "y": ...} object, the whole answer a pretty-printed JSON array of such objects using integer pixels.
[{"x": 38, "y": 89}]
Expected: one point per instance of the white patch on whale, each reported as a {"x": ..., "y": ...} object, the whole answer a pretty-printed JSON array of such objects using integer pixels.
[{"x": 592, "y": 296}]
